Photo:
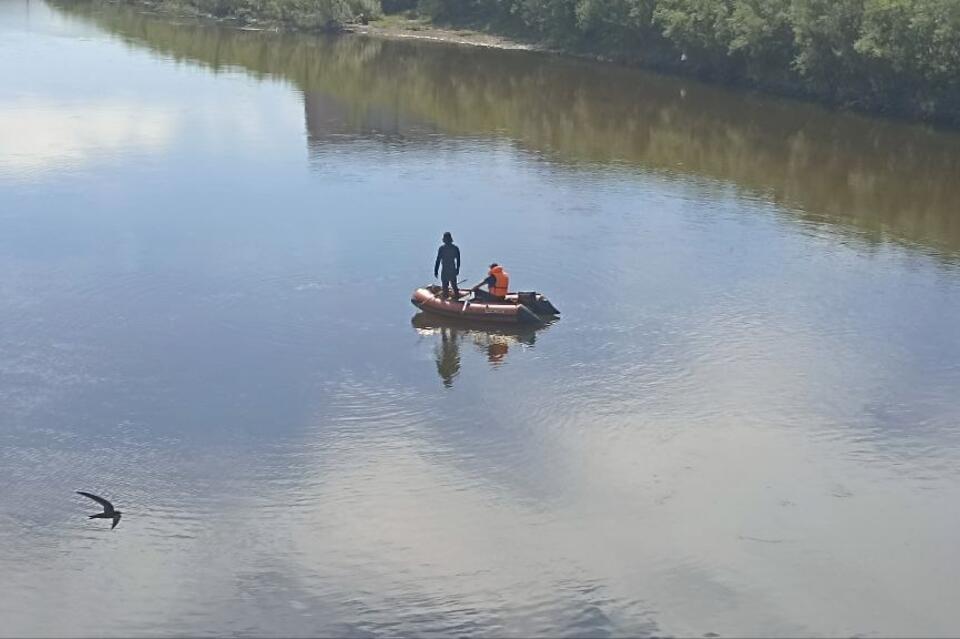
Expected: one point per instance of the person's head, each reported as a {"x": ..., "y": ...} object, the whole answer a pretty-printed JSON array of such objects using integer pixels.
[
  {"x": 447, "y": 238},
  {"x": 493, "y": 266}
]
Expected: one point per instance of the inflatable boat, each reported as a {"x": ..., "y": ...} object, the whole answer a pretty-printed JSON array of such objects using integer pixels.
[{"x": 516, "y": 308}]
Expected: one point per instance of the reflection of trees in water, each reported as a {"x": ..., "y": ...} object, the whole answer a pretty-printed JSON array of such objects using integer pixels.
[
  {"x": 330, "y": 120},
  {"x": 881, "y": 179},
  {"x": 493, "y": 342}
]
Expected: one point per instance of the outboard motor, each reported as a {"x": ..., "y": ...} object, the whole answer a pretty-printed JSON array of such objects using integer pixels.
[{"x": 537, "y": 303}]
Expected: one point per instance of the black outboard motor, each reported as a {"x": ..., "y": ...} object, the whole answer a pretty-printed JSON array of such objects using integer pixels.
[{"x": 537, "y": 303}]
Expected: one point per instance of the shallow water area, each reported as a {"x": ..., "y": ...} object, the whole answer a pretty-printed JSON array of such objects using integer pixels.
[{"x": 746, "y": 421}]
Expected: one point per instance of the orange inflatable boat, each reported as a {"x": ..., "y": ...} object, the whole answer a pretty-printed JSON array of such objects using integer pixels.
[{"x": 517, "y": 308}]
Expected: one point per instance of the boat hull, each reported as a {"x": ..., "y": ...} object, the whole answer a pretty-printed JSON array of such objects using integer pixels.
[{"x": 428, "y": 299}]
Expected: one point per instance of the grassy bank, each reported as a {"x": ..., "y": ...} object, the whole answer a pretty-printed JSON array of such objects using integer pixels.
[{"x": 897, "y": 57}]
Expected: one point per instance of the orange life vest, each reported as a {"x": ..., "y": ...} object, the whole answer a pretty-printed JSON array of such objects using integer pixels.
[{"x": 499, "y": 288}]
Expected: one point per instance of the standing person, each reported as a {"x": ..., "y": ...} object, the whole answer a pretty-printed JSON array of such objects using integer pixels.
[
  {"x": 497, "y": 282},
  {"x": 449, "y": 257}
]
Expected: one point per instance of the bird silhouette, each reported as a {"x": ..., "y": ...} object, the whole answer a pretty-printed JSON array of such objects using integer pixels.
[{"x": 109, "y": 512}]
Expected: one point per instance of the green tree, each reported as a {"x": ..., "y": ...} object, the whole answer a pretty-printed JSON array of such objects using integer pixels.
[{"x": 824, "y": 35}]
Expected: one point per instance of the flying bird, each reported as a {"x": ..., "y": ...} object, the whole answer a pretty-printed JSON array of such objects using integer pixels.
[{"x": 109, "y": 512}]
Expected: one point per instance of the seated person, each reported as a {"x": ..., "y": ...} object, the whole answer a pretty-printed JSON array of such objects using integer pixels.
[{"x": 497, "y": 282}]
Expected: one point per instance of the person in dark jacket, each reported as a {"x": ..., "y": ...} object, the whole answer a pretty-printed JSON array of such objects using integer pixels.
[{"x": 449, "y": 257}]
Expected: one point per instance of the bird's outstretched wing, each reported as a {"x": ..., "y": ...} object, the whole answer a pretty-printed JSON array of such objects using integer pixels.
[
  {"x": 107, "y": 506},
  {"x": 116, "y": 520}
]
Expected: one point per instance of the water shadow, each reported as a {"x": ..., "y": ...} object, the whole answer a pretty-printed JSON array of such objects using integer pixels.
[{"x": 493, "y": 342}]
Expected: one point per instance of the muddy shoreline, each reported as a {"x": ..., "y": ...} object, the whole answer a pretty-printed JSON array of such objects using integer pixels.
[
  {"x": 406, "y": 29},
  {"x": 389, "y": 26}
]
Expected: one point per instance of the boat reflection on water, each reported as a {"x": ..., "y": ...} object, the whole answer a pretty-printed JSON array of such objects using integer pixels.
[{"x": 490, "y": 340}]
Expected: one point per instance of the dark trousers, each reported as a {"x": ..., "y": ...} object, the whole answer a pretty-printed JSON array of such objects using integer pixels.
[
  {"x": 448, "y": 279},
  {"x": 483, "y": 296}
]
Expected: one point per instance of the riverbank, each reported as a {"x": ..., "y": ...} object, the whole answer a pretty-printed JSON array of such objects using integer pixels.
[
  {"x": 657, "y": 59},
  {"x": 373, "y": 23},
  {"x": 893, "y": 58},
  {"x": 860, "y": 79},
  {"x": 287, "y": 15}
]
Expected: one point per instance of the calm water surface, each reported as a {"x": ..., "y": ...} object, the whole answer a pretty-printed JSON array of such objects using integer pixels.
[{"x": 747, "y": 421}]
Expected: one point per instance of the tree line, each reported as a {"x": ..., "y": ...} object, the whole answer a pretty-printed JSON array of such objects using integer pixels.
[
  {"x": 326, "y": 15},
  {"x": 894, "y": 56},
  {"x": 900, "y": 57}
]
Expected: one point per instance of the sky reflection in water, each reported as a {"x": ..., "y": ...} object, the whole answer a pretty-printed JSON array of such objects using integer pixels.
[{"x": 745, "y": 422}]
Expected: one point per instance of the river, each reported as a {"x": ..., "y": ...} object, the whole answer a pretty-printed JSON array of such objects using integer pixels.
[{"x": 746, "y": 421}]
